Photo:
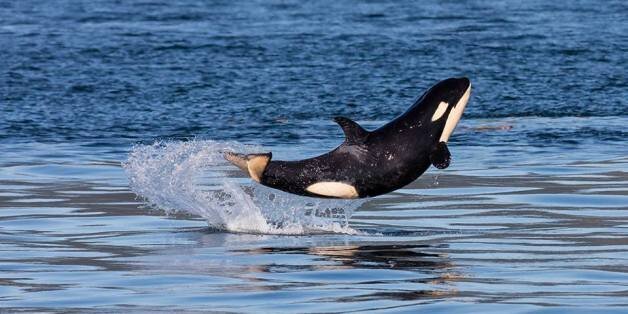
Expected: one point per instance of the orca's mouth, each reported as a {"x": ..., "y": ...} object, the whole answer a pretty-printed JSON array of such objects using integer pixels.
[{"x": 454, "y": 115}]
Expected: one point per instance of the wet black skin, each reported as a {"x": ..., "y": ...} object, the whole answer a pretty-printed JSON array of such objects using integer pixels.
[{"x": 379, "y": 161}]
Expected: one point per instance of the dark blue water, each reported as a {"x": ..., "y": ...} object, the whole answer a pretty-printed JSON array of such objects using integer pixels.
[
  {"x": 110, "y": 70},
  {"x": 531, "y": 216}
]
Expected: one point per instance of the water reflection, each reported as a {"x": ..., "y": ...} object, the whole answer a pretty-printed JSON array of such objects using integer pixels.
[
  {"x": 432, "y": 274},
  {"x": 405, "y": 256}
]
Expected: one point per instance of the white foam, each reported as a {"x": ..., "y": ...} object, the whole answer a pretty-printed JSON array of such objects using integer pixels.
[{"x": 193, "y": 177}]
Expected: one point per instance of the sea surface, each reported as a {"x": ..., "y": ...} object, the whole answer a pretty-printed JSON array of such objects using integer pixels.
[{"x": 114, "y": 197}]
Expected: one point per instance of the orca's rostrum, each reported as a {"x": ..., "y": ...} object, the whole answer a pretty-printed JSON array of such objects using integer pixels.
[{"x": 371, "y": 163}]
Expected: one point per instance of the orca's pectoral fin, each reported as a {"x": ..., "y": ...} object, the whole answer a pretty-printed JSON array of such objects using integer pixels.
[
  {"x": 440, "y": 156},
  {"x": 354, "y": 133},
  {"x": 252, "y": 164}
]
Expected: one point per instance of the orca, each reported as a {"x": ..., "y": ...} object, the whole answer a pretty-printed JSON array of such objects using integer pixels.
[{"x": 371, "y": 163}]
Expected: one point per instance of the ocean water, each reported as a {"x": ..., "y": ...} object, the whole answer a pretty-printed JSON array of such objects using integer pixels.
[{"x": 114, "y": 197}]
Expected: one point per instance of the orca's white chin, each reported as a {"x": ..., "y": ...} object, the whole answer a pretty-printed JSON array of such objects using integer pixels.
[{"x": 454, "y": 115}]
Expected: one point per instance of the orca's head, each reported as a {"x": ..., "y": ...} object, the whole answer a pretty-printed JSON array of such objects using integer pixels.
[{"x": 442, "y": 106}]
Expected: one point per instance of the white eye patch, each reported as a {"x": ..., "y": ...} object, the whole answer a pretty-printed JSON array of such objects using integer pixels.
[{"x": 440, "y": 111}]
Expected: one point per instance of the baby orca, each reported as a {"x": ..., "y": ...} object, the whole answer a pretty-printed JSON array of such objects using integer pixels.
[{"x": 371, "y": 163}]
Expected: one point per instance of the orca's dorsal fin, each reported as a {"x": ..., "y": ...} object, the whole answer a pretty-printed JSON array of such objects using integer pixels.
[{"x": 354, "y": 133}]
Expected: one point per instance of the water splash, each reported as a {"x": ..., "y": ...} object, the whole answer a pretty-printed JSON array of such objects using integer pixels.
[{"x": 193, "y": 177}]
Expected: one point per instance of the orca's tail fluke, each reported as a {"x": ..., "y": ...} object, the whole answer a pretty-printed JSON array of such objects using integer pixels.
[{"x": 252, "y": 164}]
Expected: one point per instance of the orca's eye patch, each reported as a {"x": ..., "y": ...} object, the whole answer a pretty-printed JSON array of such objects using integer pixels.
[{"x": 440, "y": 111}]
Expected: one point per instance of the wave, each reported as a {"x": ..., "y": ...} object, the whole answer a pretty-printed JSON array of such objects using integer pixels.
[{"x": 193, "y": 177}]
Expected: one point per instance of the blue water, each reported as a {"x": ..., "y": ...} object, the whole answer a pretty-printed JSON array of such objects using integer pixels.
[{"x": 532, "y": 215}]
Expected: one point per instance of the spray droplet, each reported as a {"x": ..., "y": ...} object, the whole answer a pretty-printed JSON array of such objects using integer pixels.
[{"x": 435, "y": 182}]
